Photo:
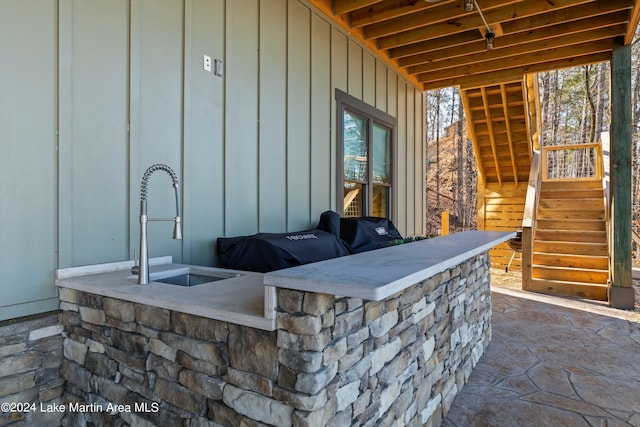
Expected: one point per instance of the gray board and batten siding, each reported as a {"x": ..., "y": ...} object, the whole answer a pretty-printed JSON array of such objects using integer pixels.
[{"x": 94, "y": 92}]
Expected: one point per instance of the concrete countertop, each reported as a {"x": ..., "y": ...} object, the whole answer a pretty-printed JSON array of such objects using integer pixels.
[
  {"x": 250, "y": 300},
  {"x": 241, "y": 300},
  {"x": 378, "y": 274}
]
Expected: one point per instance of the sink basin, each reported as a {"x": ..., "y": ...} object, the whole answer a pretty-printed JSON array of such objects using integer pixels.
[{"x": 191, "y": 277}]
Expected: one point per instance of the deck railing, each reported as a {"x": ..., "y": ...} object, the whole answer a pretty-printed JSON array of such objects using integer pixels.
[{"x": 575, "y": 161}]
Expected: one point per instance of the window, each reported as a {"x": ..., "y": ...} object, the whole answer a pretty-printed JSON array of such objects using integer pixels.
[{"x": 365, "y": 146}]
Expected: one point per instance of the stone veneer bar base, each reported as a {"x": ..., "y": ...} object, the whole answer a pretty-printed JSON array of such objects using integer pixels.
[
  {"x": 30, "y": 357},
  {"x": 332, "y": 360}
]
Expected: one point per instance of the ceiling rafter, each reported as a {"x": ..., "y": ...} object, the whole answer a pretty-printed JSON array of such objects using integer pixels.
[
  {"x": 515, "y": 74},
  {"x": 439, "y": 44},
  {"x": 341, "y": 7},
  {"x": 473, "y": 20},
  {"x": 519, "y": 49},
  {"x": 428, "y": 17},
  {"x": 509, "y": 40},
  {"x": 549, "y": 55},
  {"x": 391, "y": 9}
]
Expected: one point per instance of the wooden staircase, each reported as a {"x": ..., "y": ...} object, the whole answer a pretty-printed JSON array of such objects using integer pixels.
[
  {"x": 555, "y": 193},
  {"x": 570, "y": 253},
  {"x": 502, "y": 122}
]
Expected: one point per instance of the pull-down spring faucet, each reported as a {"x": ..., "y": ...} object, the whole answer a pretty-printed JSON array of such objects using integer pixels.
[{"x": 143, "y": 271}]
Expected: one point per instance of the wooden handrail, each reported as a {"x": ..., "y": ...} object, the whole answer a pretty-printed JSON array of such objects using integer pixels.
[
  {"x": 597, "y": 146},
  {"x": 571, "y": 146},
  {"x": 348, "y": 199},
  {"x": 529, "y": 219},
  {"x": 605, "y": 147}
]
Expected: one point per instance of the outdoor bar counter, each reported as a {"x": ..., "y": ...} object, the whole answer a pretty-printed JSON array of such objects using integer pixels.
[{"x": 391, "y": 334}]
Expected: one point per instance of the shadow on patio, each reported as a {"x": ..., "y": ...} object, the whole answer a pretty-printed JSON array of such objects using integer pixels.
[{"x": 554, "y": 362}]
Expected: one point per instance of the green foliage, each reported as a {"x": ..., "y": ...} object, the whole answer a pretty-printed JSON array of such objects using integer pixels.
[{"x": 408, "y": 239}]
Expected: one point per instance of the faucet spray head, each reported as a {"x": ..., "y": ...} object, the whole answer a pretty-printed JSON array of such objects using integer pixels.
[{"x": 177, "y": 229}]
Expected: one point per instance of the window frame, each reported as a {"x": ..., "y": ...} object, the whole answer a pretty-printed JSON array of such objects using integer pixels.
[{"x": 347, "y": 102}]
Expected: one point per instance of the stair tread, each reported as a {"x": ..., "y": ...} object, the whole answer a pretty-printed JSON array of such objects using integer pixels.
[
  {"x": 560, "y": 254},
  {"x": 569, "y": 282},
  {"x": 555, "y": 267},
  {"x": 569, "y": 242}
]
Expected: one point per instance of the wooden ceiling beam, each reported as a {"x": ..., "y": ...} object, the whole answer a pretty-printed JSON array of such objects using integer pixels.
[
  {"x": 518, "y": 50},
  {"x": 515, "y": 74},
  {"x": 565, "y": 29},
  {"x": 435, "y": 15},
  {"x": 394, "y": 9},
  {"x": 345, "y": 6},
  {"x": 470, "y": 36},
  {"x": 568, "y": 18},
  {"x": 472, "y": 21},
  {"x": 438, "y": 44},
  {"x": 545, "y": 56},
  {"x": 569, "y": 14}
]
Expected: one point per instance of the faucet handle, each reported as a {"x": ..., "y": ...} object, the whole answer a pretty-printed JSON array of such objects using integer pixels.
[{"x": 136, "y": 267}]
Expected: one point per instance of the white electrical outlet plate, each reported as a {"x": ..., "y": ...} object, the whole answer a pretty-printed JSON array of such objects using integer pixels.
[{"x": 207, "y": 63}]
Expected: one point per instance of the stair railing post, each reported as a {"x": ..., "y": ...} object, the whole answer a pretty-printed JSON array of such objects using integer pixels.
[{"x": 529, "y": 219}]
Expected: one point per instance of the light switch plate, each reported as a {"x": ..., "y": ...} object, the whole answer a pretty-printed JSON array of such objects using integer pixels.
[
  {"x": 207, "y": 63},
  {"x": 218, "y": 68}
]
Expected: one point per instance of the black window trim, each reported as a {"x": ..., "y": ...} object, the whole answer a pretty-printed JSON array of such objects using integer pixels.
[{"x": 344, "y": 101}]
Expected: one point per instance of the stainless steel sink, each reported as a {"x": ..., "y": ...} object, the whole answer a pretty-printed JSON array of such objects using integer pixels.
[{"x": 191, "y": 276}]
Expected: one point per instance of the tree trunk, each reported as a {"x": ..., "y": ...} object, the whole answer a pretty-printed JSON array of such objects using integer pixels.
[
  {"x": 592, "y": 106},
  {"x": 602, "y": 95},
  {"x": 438, "y": 98},
  {"x": 556, "y": 108},
  {"x": 460, "y": 160}
]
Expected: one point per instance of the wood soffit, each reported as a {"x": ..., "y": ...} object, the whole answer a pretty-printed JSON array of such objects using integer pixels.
[{"x": 438, "y": 44}]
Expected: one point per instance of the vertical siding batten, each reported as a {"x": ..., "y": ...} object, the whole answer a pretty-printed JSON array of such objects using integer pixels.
[
  {"x": 135, "y": 174},
  {"x": 401, "y": 159},
  {"x": 354, "y": 82},
  {"x": 392, "y": 109},
  {"x": 188, "y": 217},
  {"x": 339, "y": 80},
  {"x": 241, "y": 115},
  {"x": 409, "y": 164},
  {"x": 382, "y": 99},
  {"x": 368, "y": 79},
  {"x": 203, "y": 188},
  {"x": 99, "y": 132},
  {"x": 298, "y": 123},
  {"x": 419, "y": 170},
  {"x": 273, "y": 121},
  {"x": 160, "y": 135},
  {"x": 64, "y": 130},
  {"x": 320, "y": 119}
]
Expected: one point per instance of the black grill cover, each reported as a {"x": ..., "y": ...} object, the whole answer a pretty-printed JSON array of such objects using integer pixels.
[
  {"x": 264, "y": 252},
  {"x": 330, "y": 222},
  {"x": 368, "y": 233}
]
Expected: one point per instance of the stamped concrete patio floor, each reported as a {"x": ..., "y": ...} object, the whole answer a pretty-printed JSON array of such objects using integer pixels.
[{"x": 553, "y": 362}]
